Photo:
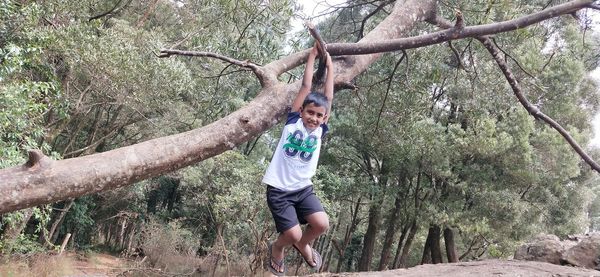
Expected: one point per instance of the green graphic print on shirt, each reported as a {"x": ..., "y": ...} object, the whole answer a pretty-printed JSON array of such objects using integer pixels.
[{"x": 297, "y": 145}]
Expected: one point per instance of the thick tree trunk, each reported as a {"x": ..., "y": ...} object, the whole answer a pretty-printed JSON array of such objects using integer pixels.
[
  {"x": 401, "y": 262},
  {"x": 436, "y": 250},
  {"x": 432, "y": 252},
  {"x": 364, "y": 264},
  {"x": 42, "y": 180},
  {"x": 450, "y": 246},
  {"x": 390, "y": 233}
]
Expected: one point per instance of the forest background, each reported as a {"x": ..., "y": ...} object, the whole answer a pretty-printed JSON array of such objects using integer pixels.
[{"x": 430, "y": 147}]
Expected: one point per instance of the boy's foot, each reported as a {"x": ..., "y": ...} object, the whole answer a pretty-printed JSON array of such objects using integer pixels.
[
  {"x": 274, "y": 266},
  {"x": 313, "y": 259}
]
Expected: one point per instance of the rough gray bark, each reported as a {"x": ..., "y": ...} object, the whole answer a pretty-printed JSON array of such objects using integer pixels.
[
  {"x": 436, "y": 250},
  {"x": 42, "y": 180},
  {"x": 450, "y": 245}
]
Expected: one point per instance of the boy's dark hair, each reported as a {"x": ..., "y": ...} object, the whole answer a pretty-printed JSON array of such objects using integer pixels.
[{"x": 318, "y": 99}]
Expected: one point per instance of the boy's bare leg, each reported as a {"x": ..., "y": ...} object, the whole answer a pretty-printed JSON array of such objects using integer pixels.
[
  {"x": 318, "y": 223},
  {"x": 285, "y": 239}
]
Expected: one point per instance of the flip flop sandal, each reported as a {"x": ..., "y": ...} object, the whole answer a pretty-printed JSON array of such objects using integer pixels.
[
  {"x": 316, "y": 258},
  {"x": 279, "y": 264}
]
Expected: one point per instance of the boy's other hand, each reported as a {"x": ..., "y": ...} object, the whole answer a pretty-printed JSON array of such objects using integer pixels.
[
  {"x": 328, "y": 59},
  {"x": 314, "y": 51}
]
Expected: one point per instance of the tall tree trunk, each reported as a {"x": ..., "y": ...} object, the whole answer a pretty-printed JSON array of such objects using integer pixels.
[
  {"x": 436, "y": 250},
  {"x": 400, "y": 245},
  {"x": 426, "y": 259},
  {"x": 450, "y": 246},
  {"x": 52, "y": 234},
  {"x": 121, "y": 240},
  {"x": 12, "y": 232},
  {"x": 364, "y": 264},
  {"x": 390, "y": 233},
  {"x": 401, "y": 262},
  {"x": 326, "y": 246},
  {"x": 348, "y": 235}
]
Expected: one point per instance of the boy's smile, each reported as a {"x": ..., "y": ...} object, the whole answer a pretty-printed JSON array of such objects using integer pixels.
[{"x": 313, "y": 116}]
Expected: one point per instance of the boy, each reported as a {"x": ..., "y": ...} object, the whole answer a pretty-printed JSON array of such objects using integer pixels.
[{"x": 290, "y": 194}]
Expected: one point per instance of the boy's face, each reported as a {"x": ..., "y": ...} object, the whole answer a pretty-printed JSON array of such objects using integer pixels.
[{"x": 313, "y": 116}]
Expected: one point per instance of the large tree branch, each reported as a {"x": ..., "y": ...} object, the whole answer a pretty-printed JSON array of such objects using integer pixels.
[
  {"x": 370, "y": 46},
  {"x": 516, "y": 88},
  {"x": 373, "y": 46}
]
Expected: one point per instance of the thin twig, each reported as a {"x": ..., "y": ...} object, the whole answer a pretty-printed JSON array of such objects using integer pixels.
[
  {"x": 512, "y": 58},
  {"x": 170, "y": 52},
  {"x": 257, "y": 69},
  {"x": 458, "y": 56},
  {"x": 387, "y": 91}
]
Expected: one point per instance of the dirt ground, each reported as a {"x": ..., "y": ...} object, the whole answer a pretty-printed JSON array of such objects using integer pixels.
[
  {"x": 98, "y": 265},
  {"x": 480, "y": 269},
  {"x": 104, "y": 265}
]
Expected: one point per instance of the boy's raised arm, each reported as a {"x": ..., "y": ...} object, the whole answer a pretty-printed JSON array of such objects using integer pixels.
[
  {"x": 329, "y": 84},
  {"x": 306, "y": 80}
]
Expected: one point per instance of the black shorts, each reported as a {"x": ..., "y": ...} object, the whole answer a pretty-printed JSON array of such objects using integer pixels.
[{"x": 290, "y": 207}]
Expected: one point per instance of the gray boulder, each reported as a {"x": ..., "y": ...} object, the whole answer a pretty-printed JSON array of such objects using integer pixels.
[
  {"x": 585, "y": 253},
  {"x": 579, "y": 250},
  {"x": 542, "y": 248}
]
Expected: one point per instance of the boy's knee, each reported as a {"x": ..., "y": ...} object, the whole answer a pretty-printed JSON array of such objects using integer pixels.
[
  {"x": 321, "y": 226},
  {"x": 292, "y": 235}
]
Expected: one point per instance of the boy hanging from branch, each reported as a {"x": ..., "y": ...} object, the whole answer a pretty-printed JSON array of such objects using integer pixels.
[{"x": 290, "y": 194}]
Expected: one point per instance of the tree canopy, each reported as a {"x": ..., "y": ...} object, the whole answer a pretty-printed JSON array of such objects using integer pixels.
[{"x": 462, "y": 118}]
